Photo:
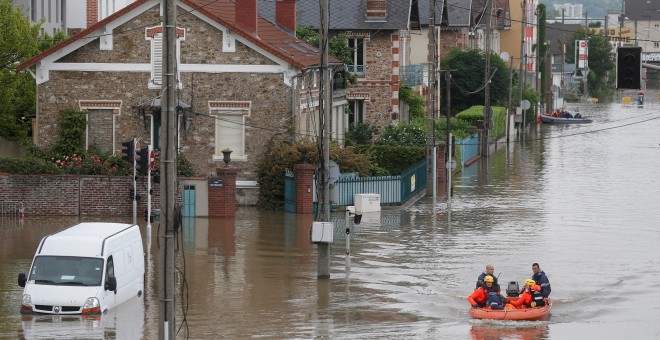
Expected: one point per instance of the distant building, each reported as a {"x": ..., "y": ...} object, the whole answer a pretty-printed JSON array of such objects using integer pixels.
[
  {"x": 68, "y": 16},
  {"x": 569, "y": 11}
]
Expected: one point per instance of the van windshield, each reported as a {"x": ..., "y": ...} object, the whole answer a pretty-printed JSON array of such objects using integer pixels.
[{"x": 67, "y": 271}]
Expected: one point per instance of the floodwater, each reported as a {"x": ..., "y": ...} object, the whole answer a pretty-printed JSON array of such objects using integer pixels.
[{"x": 581, "y": 200}]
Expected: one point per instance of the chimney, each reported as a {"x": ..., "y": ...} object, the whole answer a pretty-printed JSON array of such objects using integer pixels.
[
  {"x": 285, "y": 14},
  {"x": 247, "y": 14},
  {"x": 376, "y": 9},
  {"x": 92, "y": 12}
]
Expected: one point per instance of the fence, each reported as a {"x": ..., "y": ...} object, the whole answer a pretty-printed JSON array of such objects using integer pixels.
[{"x": 393, "y": 190}]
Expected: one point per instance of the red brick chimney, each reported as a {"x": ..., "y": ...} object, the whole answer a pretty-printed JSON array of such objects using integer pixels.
[
  {"x": 92, "y": 12},
  {"x": 247, "y": 14},
  {"x": 285, "y": 14}
]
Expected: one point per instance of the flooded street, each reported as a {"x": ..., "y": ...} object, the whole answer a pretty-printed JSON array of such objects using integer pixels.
[{"x": 581, "y": 200}]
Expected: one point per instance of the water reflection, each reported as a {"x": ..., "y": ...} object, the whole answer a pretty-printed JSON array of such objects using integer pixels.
[{"x": 584, "y": 205}]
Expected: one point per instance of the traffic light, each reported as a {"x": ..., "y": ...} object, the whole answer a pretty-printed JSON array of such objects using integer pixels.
[
  {"x": 142, "y": 161},
  {"x": 128, "y": 151},
  {"x": 628, "y": 68}
]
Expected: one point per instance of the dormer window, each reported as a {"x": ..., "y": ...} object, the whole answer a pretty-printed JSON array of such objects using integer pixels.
[{"x": 155, "y": 34}]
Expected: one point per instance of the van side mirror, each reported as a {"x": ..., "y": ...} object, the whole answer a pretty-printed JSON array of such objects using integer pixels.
[
  {"x": 111, "y": 283},
  {"x": 21, "y": 279}
]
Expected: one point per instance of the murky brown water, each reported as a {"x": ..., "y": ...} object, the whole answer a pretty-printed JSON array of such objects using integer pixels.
[{"x": 583, "y": 204}]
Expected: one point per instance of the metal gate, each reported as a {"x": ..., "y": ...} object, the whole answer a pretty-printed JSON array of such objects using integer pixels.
[{"x": 289, "y": 191}]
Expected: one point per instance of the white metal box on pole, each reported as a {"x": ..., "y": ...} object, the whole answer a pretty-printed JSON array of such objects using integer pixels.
[
  {"x": 322, "y": 232},
  {"x": 365, "y": 203}
]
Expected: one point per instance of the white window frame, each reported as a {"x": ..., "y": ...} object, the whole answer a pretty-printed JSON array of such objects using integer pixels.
[{"x": 236, "y": 111}]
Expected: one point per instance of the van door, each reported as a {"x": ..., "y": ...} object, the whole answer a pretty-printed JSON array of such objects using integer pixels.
[{"x": 108, "y": 296}]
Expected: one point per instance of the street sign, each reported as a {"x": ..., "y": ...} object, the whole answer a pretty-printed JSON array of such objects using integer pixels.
[
  {"x": 152, "y": 159},
  {"x": 525, "y": 104},
  {"x": 451, "y": 165}
]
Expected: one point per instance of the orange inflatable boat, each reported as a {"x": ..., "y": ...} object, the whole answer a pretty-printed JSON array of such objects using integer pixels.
[{"x": 531, "y": 314}]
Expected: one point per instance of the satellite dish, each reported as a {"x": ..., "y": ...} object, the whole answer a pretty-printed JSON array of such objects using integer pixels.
[{"x": 505, "y": 56}]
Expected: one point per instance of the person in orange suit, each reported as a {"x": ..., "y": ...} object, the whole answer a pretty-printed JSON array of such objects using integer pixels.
[
  {"x": 526, "y": 298},
  {"x": 479, "y": 297}
]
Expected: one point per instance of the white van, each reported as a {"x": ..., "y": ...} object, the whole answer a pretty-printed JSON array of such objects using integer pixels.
[{"x": 86, "y": 269}]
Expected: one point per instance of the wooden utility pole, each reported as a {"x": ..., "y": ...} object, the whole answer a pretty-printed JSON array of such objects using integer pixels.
[
  {"x": 430, "y": 117},
  {"x": 325, "y": 109},
  {"x": 487, "y": 109},
  {"x": 166, "y": 278}
]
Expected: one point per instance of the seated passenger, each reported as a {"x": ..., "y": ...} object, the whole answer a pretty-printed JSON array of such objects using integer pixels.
[
  {"x": 567, "y": 114},
  {"x": 539, "y": 301},
  {"x": 495, "y": 299},
  {"x": 525, "y": 299}
]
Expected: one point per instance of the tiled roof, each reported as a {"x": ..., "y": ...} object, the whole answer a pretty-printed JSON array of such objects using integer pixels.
[
  {"x": 458, "y": 13},
  {"x": 424, "y": 9},
  {"x": 270, "y": 37},
  {"x": 344, "y": 14}
]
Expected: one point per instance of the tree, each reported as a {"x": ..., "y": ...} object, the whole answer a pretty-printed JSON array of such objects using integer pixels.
[
  {"x": 467, "y": 79},
  {"x": 600, "y": 64},
  {"x": 18, "y": 42},
  {"x": 338, "y": 44}
]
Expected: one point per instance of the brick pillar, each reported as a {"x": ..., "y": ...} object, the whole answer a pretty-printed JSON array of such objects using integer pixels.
[
  {"x": 222, "y": 193},
  {"x": 441, "y": 161},
  {"x": 304, "y": 188},
  {"x": 92, "y": 12}
]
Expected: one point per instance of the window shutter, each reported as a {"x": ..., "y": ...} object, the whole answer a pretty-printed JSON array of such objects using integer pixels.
[
  {"x": 157, "y": 59},
  {"x": 230, "y": 133}
]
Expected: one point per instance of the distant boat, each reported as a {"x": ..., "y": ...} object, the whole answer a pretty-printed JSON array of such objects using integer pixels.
[{"x": 561, "y": 120}]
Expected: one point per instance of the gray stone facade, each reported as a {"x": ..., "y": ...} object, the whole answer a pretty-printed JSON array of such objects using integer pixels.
[{"x": 268, "y": 94}]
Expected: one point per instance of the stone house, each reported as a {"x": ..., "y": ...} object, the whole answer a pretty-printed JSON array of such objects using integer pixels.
[
  {"x": 379, "y": 32},
  {"x": 238, "y": 77}
]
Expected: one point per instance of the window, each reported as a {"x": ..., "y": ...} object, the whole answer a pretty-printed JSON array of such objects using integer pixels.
[
  {"x": 357, "y": 111},
  {"x": 230, "y": 128},
  {"x": 33, "y": 10},
  {"x": 357, "y": 44},
  {"x": 155, "y": 133},
  {"x": 656, "y": 44}
]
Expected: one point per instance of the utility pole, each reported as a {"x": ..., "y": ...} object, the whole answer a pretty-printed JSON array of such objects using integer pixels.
[
  {"x": 325, "y": 106},
  {"x": 487, "y": 109},
  {"x": 166, "y": 288},
  {"x": 523, "y": 61},
  {"x": 430, "y": 117}
]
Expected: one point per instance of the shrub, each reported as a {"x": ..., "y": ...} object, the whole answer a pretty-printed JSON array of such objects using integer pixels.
[
  {"x": 360, "y": 133},
  {"x": 30, "y": 165},
  {"x": 403, "y": 135}
]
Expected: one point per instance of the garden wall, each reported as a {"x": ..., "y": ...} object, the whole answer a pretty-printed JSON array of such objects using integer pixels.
[{"x": 74, "y": 195}]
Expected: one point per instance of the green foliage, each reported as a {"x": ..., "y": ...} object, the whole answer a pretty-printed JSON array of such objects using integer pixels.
[
  {"x": 183, "y": 166},
  {"x": 72, "y": 131},
  {"x": 404, "y": 134},
  {"x": 281, "y": 155},
  {"x": 18, "y": 40},
  {"x": 460, "y": 128},
  {"x": 28, "y": 165},
  {"x": 467, "y": 79},
  {"x": 46, "y": 41},
  {"x": 360, "y": 133},
  {"x": 337, "y": 46},
  {"x": 91, "y": 164},
  {"x": 414, "y": 100},
  {"x": 392, "y": 160}
]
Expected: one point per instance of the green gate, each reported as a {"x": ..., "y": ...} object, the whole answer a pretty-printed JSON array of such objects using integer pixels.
[
  {"x": 189, "y": 201},
  {"x": 289, "y": 192}
]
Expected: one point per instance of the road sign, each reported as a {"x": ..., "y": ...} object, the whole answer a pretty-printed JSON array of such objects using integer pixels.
[
  {"x": 525, "y": 104},
  {"x": 152, "y": 159},
  {"x": 451, "y": 164}
]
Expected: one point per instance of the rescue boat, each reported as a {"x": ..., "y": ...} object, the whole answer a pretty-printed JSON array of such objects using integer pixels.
[{"x": 529, "y": 314}]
